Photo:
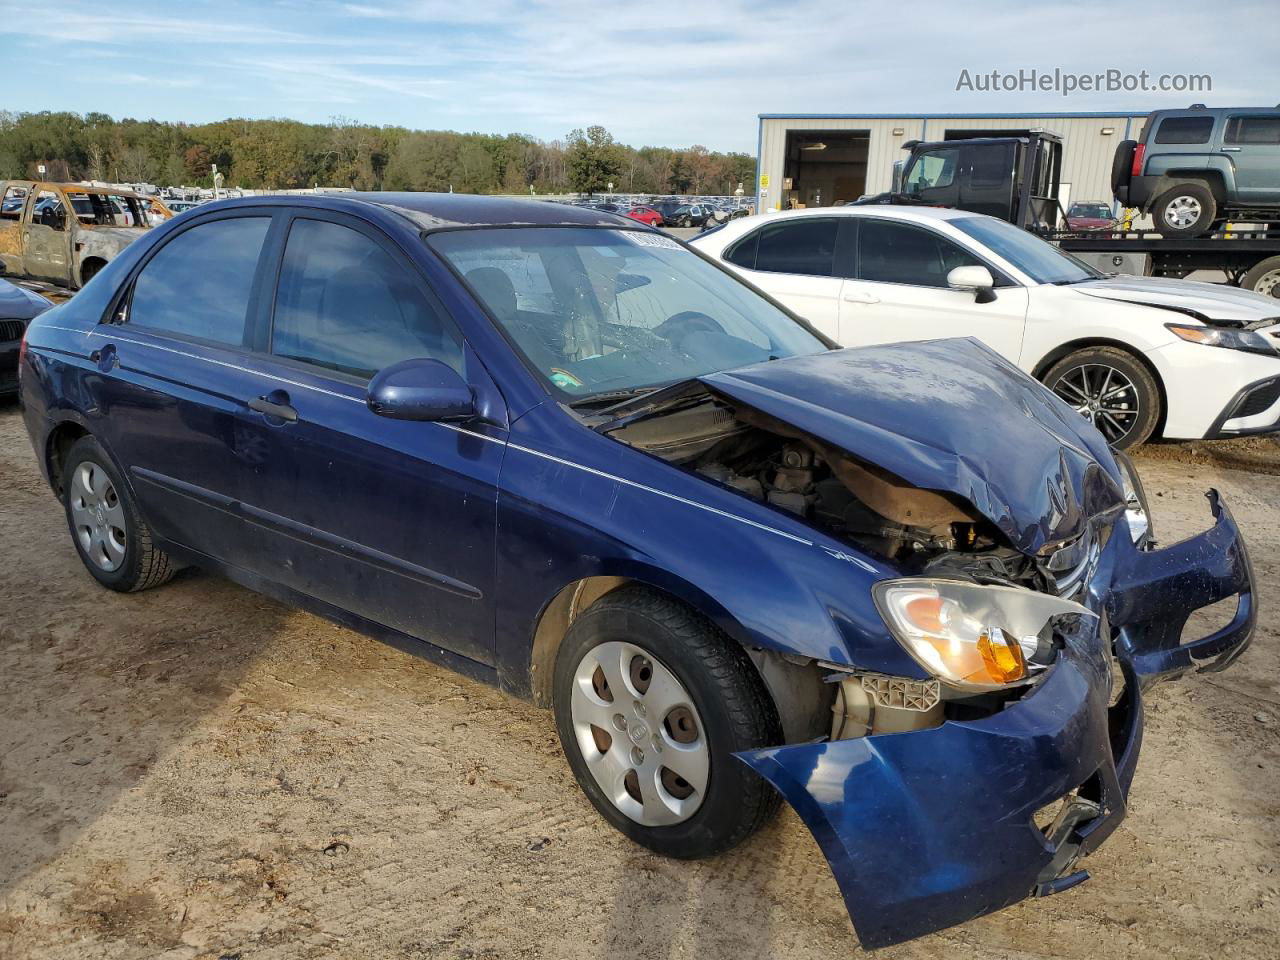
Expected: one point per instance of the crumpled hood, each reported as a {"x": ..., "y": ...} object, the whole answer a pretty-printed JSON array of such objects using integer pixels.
[
  {"x": 946, "y": 415},
  {"x": 1212, "y": 303},
  {"x": 18, "y": 304}
]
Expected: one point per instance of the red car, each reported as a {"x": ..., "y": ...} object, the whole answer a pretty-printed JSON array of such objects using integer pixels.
[
  {"x": 646, "y": 215},
  {"x": 1090, "y": 216}
]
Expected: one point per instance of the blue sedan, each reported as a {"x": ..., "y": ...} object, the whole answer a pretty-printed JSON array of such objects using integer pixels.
[{"x": 903, "y": 587}]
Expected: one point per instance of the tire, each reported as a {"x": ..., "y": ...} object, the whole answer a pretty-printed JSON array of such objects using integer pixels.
[
  {"x": 109, "y": 534},
  {"x": 1122, "y": 164},
  {"x": 725, "y": 708},
  {"x": 1263, "y": 277},
  {"x": 1188, "y": 210},
  {"x": 1126, "y": 419}
]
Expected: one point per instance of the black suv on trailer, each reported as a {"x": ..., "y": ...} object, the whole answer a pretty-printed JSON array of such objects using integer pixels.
[{"x": 1194, "y": 169}]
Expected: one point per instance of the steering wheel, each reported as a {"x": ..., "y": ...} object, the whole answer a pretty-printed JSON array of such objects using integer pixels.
[{"x": 680, "y": 325}]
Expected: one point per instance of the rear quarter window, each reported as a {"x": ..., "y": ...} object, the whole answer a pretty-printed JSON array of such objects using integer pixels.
[{"x": 1184, "y": 130}]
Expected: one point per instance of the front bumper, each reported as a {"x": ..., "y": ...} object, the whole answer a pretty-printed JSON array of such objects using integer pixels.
[{"x": 933, "y": 827}]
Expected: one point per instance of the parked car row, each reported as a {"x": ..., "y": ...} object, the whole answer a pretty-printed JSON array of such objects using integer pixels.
[{"x": 903, "y": 587}]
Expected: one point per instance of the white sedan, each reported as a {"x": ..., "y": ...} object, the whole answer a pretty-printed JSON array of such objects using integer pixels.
[{"x": 1137, "y": 355}]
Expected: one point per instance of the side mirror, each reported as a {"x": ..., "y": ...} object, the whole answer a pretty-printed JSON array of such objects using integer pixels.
[
  {"x": 420, "y": 389},
  {"x": 977, "y": 279},
  {"x": 899, "y": 168}
]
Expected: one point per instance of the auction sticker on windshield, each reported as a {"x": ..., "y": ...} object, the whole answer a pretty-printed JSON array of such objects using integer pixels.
[{"x": 652, "y": 240}]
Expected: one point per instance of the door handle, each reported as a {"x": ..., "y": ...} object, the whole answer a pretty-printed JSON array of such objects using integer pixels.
[
  {"x": 1230, "y": 149},
  {"x": 859, "y": 296},
  {"x": 275, "y": 404}
]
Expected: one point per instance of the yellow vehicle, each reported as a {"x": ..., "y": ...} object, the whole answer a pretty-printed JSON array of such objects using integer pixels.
[{"x": 66, "y": 232}]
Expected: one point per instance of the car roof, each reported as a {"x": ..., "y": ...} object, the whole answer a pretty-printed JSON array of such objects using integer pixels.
[
  {"x": 895, "y": 210},
  {"x": 442, "y": 211}
]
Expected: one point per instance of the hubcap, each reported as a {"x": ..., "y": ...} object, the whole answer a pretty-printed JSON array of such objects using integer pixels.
[
  {"x": 1182, "y": 212},
  {"x": 97, "y": 516},
  {"x": 1103, "y": 395},
  {"x": 640, "y": 734}
]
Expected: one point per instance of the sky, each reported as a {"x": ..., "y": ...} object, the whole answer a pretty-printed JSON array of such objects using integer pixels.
[{"x": 651, "y": 71}]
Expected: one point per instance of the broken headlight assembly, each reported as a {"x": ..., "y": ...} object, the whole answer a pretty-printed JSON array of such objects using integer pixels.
[
  {"x": 1135, "y": 502},
  {"x": 974, "y": 636}
]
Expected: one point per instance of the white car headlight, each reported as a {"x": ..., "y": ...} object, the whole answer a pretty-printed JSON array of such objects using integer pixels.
[{"x": 973, "y": 636}]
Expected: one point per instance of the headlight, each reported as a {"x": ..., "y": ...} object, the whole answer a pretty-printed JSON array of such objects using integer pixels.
[
  {"x": 1222, "y": 337},
  {"x": 971, "y": 635},
  {"x": 1135, "y": 501}
]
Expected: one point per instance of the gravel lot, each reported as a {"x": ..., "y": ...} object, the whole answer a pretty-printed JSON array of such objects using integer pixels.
[{"x": 198, "y": 771}]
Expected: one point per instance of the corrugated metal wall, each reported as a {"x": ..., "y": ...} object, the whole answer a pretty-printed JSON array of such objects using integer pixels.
[{"x": 1087, "y": 152}]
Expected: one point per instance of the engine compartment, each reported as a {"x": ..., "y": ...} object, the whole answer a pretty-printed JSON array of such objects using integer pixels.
[{"x": 925, "y": 532}]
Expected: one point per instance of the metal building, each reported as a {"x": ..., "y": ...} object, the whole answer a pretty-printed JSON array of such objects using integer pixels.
[{"x": 818, "y": 160}]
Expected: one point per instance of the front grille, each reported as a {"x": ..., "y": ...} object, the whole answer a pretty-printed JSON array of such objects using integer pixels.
[
  {"x": 11, "y": 330},
  {"x": 1257, "y": 400}
]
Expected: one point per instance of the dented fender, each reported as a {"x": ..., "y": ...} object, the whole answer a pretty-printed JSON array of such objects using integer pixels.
[{"x": 930, "y": 828}]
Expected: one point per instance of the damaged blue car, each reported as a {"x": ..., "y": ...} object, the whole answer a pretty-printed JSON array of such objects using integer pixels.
[{"x": 904, "y": 588}]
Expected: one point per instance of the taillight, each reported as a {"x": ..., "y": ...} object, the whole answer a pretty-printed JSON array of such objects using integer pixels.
[{"x": 1139, "y": 152}]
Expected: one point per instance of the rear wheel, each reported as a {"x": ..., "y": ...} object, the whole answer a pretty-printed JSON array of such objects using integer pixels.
[
  {"x": 1112, "y": 389},
  {"x": 651, "y": 702},
  {"x": 1263, "y": 278},
  {"x": 110, "y": 535},
  {"x": 1188, "y": 210}
]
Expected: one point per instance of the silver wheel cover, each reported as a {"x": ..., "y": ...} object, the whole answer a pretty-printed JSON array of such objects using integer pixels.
[
  {"x": 97, "y": 517},
  {"x": 647, "y": 774}
]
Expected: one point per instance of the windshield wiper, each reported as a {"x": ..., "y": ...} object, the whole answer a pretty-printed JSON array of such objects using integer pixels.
[{"x": 612, "y": 396}]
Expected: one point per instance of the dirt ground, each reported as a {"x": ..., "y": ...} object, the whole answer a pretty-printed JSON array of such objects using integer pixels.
[{"x": 198, "y": 771}]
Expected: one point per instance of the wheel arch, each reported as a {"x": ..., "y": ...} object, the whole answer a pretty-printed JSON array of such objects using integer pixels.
[
  {"x": 559, "y": 613},
  {"x": 1066, "y": 349},
  {"x": 1169, "y": 180},
  {"x": 57, "y": 445},
  {"x": 88, "y": 267}
]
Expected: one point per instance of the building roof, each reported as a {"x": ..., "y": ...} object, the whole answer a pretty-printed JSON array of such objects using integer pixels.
[{"x": 951, "y": 116}]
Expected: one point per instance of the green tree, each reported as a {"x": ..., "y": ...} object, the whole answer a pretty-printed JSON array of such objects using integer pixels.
[{"x": 593, "y": 158}]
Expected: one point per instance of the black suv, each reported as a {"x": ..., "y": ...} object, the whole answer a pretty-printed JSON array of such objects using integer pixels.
[{"x": 1194, "y": 169}]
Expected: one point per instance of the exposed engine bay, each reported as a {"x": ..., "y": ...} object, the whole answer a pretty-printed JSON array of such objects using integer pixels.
[{"x": 925, "y": 532}]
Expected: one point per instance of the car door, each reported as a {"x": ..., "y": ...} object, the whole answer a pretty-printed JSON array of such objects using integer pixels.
[
  {"x": 13, "y": 204},
  {"x": 801, "y": 262},
  {"x": 47, "y": 239},
  {"x": 392, "y": 520},
  {"x": 1253, "y": 144},
  {"x": 934, "y": 176},
  {"x": 901, "y": 292},
  {"x": 174, "y": 361}
]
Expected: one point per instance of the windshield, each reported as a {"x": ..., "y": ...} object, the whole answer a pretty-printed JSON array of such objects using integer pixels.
[
  {"x": 1041, "y": 261},
  {"x": 1097, "y": 211},
  {"x": 607, "y": 312}
]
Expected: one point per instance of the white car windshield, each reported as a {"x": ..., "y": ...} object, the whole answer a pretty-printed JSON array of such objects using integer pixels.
[
  {"x": 606, "y": 313},
  {"x": 1041, "y": 261}
]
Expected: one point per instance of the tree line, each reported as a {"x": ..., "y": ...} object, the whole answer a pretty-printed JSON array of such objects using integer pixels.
[{"x": 287, "y": 154}]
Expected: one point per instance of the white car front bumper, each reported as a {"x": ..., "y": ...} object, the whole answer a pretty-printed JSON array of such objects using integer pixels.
[{"x": 1211, "y": 392}]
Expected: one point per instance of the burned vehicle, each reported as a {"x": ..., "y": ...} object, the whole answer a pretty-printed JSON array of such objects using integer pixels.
[
  {"x": 66, "y": 232},
  {"x": 903, "y": 587}
]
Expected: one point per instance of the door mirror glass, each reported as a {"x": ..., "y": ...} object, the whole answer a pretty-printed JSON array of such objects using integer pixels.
[
  {"x": 421, "y": 389},
  {"x": 977, "y": 279},
  {"x": 898, "y": 167}
]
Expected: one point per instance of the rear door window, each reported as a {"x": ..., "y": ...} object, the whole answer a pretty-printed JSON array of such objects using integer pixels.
[
  {"x": 345, "y": 304},
  {"x": 1257, "y": 130},
  {"x": 805, "y": 245},
  {"x": 1184, "y": 130},
  {"x": 200, "y": 283}
]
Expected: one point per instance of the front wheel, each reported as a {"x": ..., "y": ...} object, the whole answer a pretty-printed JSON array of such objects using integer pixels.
[
  {"x": 1112, "y": 389},
  {"x": 651, "y": 702}
]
